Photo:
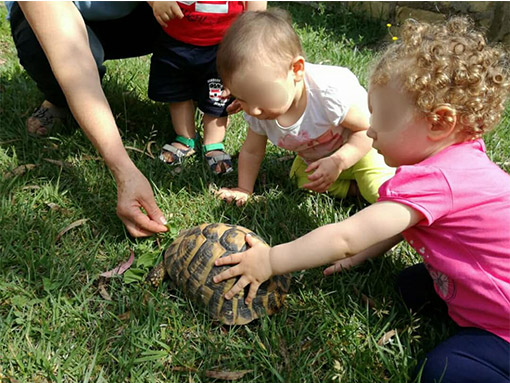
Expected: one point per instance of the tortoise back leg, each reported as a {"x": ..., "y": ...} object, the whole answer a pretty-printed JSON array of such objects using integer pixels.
[{"x": 156, "y": 275}]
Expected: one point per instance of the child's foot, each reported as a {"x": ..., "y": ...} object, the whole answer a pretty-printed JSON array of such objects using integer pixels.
[
  {"x": 43, "y": 118},
  {"x": 218, "y": 160},
  {"x": 177, "y": 151}
]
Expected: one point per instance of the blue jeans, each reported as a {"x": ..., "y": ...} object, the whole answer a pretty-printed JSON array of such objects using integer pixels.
[{"x": 472, "y": 355}]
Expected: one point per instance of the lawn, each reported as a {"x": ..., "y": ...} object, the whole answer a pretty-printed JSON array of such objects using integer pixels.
[{"x": 55, "y": 326}]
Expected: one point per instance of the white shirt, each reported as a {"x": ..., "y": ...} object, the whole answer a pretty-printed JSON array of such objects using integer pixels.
[{"x": 331, "y": 90}]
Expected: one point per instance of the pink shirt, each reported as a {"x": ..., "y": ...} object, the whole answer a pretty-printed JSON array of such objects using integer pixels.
[{"x": 465, "y": 237}]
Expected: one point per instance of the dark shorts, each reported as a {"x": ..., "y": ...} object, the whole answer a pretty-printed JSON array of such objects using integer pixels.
[{"x": 182, "y": 72}]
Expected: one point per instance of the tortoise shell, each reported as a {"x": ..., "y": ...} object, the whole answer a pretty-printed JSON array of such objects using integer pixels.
[{"x": 189, "y": 262}]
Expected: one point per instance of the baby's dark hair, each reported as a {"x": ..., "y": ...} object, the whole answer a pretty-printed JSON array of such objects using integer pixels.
[
  {"x": 449, "y": 64},
  {"x": 263, "y": 36}
]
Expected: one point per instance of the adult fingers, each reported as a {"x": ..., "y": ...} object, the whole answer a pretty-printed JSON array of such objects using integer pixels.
[
  {"x": 238, "y": 287},
  {"x": 155, "y": 214},
  {"x": 134, "y": 230},
  {"x": 312, "y": 166}
]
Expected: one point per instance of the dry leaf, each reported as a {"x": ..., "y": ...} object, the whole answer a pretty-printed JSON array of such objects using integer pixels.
[
  {"x": 386, "y": 338},
  {"x": 103, "y": 282},
  {"x": 148, "y": 148},
  {"x": 57, "y": 162},
  {"x": 71, "y": 226},
  {"x": 125, "y": 316},
  {"x": 139, "y": 151},
  {"x": 368, "y": 301},
  {"x": 19, "y": 171},
  {"x": 121, "y": 268},
  {"x": 227, "y": 375}
]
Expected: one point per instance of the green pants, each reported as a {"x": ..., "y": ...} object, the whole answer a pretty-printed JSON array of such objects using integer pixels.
[{"x": 369, "y": 173}]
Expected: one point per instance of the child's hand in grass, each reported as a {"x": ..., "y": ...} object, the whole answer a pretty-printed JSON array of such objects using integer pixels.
[
  {"x": 325, "y": 172},
  {"x": 253, "y": 265},
  {"x": 237, "y": 195}
]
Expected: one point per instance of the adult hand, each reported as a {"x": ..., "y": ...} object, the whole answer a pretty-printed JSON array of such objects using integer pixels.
[
  {"x": 165, "y": 11},
  {"x": 237, "y": 195},
  {"x": 325, "y": 171},
  {"x": 133, "y": 193},
  {"x": 254, "y": 266}
]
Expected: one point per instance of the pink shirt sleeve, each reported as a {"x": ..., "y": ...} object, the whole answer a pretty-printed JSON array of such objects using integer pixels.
[{"x": 423, "y": 188}]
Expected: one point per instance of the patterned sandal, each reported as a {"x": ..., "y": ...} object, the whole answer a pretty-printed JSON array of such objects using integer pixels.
[
  {"x": 174, "y": 156},
  {"x": 220, "y": 163}
]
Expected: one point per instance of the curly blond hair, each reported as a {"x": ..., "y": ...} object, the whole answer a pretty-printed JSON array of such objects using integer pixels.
[{"x": 449, "y": 64}]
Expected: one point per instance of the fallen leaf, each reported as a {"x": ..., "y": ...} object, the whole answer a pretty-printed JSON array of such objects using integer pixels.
[
  {"x": 368, "y": 301},
  {"x": 227, "y": 375},
  {"x": 386, "y": 338},
  {"x": 19, "y": 171},
  {"x": 57, "y": 162},
  {"x": 71, "y": 226},
  {"x": 103, "y": 282},
  {"x": 139, "y": 151},
  {"x": 125, "y": 315},
  {"x": 148, "y": 148},
  {"x": 121, "y": 268}
]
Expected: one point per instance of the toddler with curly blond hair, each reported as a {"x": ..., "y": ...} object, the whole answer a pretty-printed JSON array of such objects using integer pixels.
[{"x": 432, "y": 96}]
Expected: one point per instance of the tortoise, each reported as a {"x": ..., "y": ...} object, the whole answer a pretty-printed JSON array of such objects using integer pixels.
[{"x": 189, "y": 262}]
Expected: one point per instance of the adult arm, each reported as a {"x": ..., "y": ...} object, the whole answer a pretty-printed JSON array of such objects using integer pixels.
[
  {"x": 256, "y": 5},
  {"x": 62, "y": 33}
]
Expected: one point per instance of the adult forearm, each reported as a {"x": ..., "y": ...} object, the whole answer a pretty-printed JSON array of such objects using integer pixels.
[{"x": 62, "y": 34}]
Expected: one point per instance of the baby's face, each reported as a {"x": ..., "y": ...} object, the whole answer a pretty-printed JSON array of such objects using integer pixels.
[
  {"x": 398, "y": 130},
  {"x": 263, "y": 92}
]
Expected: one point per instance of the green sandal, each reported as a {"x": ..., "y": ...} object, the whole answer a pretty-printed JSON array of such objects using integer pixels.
[
  {"x": 220, "y": 163},
  {"x": 174, "y": 156}
]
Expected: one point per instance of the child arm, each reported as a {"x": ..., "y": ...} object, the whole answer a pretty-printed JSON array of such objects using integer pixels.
[
  {"x": 165, "y": 11},
  {"x": 369, "y": 253},
  {"x": 325, "y": 245},
  {"x": 358, "y": 144},
  {"x": 251, "y": 156}
]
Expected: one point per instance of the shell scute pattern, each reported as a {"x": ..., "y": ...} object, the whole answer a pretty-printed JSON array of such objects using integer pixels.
[{"x": 189, "y": 262}]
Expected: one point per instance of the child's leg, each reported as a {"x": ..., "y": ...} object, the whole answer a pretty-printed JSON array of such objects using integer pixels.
[
  {"x": 214, "y": 151},
  {"x": 471, "y": 356},
  {"x": 370, "y": 173},
  {"x": 183, "y": 121}
]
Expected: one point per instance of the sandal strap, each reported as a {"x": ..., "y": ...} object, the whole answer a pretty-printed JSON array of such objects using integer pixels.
[
  {"x": 211, "y": 147},
  {"x": 189, "y": 142}
]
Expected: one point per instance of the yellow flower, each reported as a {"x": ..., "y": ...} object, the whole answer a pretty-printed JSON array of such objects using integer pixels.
[
  {"x": 394, "y": 38},
  {"x": 388, "y": 25}
]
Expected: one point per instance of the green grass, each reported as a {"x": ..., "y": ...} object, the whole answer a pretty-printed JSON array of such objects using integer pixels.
[{"x": 54, "y": 325}]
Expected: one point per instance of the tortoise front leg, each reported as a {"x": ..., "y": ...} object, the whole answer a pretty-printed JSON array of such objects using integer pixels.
[{"x": 156, "y": 275}]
